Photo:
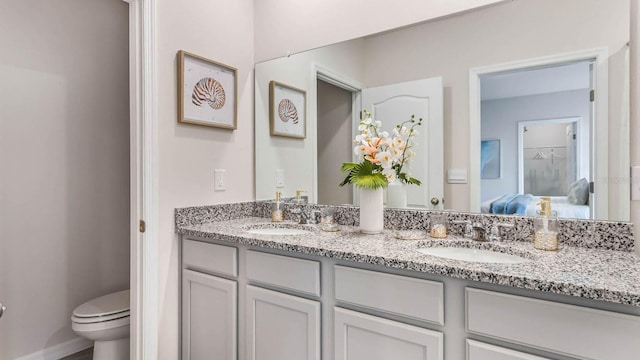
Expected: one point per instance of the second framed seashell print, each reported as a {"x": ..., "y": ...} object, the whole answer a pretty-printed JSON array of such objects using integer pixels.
[
  {"x": 207, "y": 92},
  {"x": 287, "y": 110}
]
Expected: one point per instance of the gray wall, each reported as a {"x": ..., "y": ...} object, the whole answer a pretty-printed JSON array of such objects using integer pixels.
[
  {"x": 500, "y": 121},
  {"x": 64, "y": 164}
]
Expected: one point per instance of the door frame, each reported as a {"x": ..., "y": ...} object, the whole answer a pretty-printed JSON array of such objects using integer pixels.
[
  {"x": 599, "y": 130},
  {"x": 143, "y": 179}
]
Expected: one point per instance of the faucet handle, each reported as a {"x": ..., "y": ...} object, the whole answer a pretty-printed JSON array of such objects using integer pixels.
[{"x": 494, "y": 232}]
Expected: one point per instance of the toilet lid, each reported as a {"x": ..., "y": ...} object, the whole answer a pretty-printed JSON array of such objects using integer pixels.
[{"x": 111, "y": 304}]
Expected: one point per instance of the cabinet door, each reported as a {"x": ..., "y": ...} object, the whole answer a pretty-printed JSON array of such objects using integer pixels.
[
  {"x": 481, "y": 351},
  {"x": 365, "y": 337},
  {"x": 282, "y": 327},
  {"x": 209, "y": 316}
]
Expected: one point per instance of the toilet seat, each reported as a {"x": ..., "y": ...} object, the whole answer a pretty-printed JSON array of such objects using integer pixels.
[
  {"x": 97, "y": 319},
  {"x": 105, "y": 308}
]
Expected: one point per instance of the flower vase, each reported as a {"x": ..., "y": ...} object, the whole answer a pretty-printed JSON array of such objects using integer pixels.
[
  {"x": 371, "y": 211},
  {"x": 396, "y": 195}
]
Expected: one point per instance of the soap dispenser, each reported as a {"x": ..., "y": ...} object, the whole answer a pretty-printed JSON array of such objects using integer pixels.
[
  {"x": 277, "y": 212},
  {"x": 299, "y": 199},
  {"x": 545, "y": 235}
]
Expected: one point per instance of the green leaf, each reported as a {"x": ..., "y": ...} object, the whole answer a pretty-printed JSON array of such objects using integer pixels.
[{"x": 364, "y": 175}]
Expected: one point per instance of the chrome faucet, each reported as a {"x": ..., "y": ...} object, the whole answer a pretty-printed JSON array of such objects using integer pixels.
[
  {"x": 307, "y": 216},
  {"x": 494, "y": 231}
]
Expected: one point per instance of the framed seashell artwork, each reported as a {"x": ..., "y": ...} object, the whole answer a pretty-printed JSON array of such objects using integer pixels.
[
  {"x": 287, "y": 110},
  {"x": 207, "y": 92}
]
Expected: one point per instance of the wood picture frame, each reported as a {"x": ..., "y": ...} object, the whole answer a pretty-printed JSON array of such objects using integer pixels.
[
  {"x": 207, "y": 92},
  {"x": 287, "y": 111}
]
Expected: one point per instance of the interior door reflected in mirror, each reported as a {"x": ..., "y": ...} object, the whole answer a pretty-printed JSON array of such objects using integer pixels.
[{"x": 450, "y": 48}]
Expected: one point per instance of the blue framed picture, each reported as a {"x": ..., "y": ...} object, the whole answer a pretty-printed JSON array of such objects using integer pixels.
[{"x": 490, "y": 159}]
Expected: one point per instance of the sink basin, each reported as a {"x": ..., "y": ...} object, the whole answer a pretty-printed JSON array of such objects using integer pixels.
[
  {"x": 278, "y": 230},
  {"x": 474, "y": 255}
]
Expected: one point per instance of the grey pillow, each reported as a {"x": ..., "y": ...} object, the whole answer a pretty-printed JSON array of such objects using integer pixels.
[{"x": 579, "y": 192}]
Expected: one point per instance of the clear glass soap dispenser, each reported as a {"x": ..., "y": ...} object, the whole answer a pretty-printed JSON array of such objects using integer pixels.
[
  {"x": 545, "y": 235},
  {"x": 277, "y": 213}
]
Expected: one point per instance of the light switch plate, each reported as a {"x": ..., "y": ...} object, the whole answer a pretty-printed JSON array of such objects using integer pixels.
[
  {"x": 635, "y": 183},
  {"x": 457, "y": 176},
  {"x": 279, "y": 178},
  {"x": 218, "y": 180}
]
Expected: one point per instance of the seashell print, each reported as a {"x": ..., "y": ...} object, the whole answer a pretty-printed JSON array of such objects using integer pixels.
[
  {"x": 287, "y": 111},
  {"x": 208, "y": 90}
]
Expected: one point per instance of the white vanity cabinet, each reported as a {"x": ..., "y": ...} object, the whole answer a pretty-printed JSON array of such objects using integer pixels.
[
  {"x": 359, "y": 336},
  {"x": 477, "y": 350},
  {"x": 280, "y": 324},
  {"x": 244, "y": 302},
  {"x": 564, "y": 329},
  {"x": 209, "y": 303}
]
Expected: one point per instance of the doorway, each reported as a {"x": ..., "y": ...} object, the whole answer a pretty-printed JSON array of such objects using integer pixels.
[
  {"x": 334, "y": 141},
  {"x": 513, "y": 100}
]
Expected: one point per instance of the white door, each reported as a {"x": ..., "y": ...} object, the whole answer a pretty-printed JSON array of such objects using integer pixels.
[
  {"x": 281, "y": 327},
  {"x": 364, "y": 337},
  {"x": 392, "y": 104},
  {"x": 209, "y": 317}
]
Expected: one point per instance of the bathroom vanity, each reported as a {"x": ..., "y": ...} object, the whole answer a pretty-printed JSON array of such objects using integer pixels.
[{"x": 248, "y": 294}]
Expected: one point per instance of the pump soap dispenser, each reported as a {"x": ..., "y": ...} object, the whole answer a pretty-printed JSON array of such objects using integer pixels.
[
  {"x": 545, "y": 236},
  {"x": 277, "y": 213}
]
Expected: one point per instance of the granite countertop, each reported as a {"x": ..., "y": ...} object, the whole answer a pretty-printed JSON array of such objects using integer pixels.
[{"x": 606, "y": 275}]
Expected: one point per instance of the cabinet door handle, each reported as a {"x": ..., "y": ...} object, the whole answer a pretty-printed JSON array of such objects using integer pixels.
[{"x": 2, "y": 309}]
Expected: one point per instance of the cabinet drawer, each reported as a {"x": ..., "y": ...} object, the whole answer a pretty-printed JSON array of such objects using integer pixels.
[
  {"x": 284, "y": 272},
  {"x": 565, "y": 329},
  {"x": 394, "y": 294},
  {"x": 480, "y": 351},
  {"x": 219, "y": 259}
]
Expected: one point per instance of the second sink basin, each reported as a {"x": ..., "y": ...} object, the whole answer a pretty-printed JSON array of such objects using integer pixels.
[{"x": 473, "y": 255}]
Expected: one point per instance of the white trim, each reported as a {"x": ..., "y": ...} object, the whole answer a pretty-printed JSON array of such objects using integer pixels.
[
  {"x": 144, "y": 186},
  {"x": 599, "y": 130},
  {"x": 60, "y": 350},
  {"x": 343, "y": 82}
]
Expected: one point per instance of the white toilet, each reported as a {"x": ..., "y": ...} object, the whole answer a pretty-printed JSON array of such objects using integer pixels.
[{"x": 105, "y": 320}]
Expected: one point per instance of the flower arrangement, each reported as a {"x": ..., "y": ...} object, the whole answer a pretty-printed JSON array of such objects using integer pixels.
[{"x": 385, "y": 157}]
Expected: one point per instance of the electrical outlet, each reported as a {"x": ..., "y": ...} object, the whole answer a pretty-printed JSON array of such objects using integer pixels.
[
  {"x": 279, "y": 178},
  {"x": 218, "y": 180}
]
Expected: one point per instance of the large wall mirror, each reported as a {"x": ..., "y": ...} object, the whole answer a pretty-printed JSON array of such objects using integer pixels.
[{"x": 521, "y": 98}]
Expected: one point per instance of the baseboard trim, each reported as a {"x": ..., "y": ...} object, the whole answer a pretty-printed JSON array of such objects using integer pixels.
[{"x": 61, "y": 350}]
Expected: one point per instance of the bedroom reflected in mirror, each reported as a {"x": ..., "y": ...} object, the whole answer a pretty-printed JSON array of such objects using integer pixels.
[{"x": 549, "y": 109}]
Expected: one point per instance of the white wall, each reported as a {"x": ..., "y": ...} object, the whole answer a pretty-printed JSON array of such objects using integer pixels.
[
  {"x": 452, "y": 46},
  {"x": 64, "y": 164},
  {"x": 500, "y": 121},
  {"x": 221, "y": 30},
  {"x": 295, "y": 156},
  {"x": 635, "y": 108},
  {"x": 285, "y": 27}
]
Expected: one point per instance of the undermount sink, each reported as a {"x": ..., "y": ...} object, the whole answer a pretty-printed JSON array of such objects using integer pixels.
[
  {"x": 473, "y": 255},
  {"x": 277, "y": 229}
]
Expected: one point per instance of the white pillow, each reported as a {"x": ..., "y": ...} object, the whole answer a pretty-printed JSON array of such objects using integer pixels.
[{"x": 579, "y": 192}]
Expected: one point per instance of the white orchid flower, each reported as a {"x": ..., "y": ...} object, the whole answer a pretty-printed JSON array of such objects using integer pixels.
[
  {"x": 366, "y": 120},
  {"x": 390, "y": 174},
  {"x": 385, "y": 159},
  {"x": 378, "y": 123}
]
